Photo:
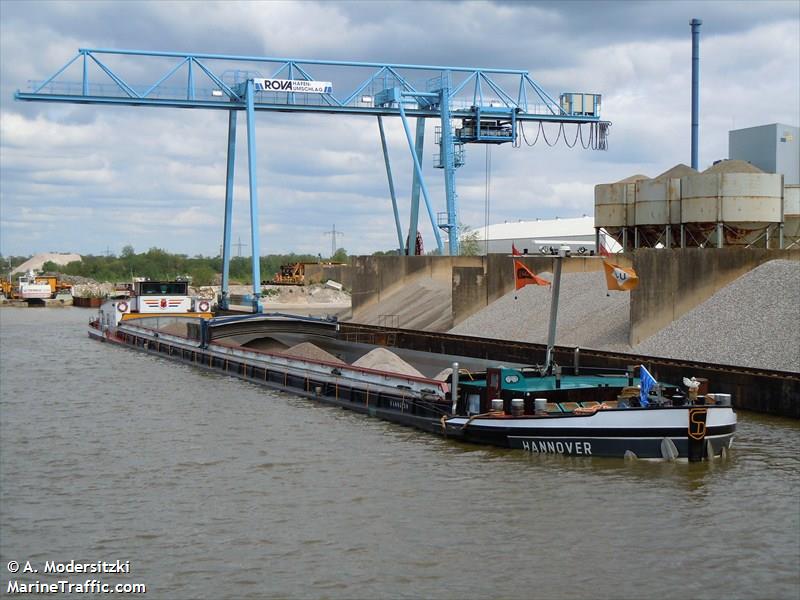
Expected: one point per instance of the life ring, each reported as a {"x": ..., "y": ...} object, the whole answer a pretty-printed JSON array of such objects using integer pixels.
[
  {"x": 122, "y": 306},
  {"x": 582, "y": 250},
  {"x": 203, "y": 306}
]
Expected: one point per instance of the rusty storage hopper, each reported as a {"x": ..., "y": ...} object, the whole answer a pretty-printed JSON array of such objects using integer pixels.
[{"x": 739, "y": 196}]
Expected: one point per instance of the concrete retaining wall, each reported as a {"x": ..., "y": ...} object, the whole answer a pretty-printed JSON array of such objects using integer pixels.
[
  {"x": 473, "y": 291},
  {"x": 672, "y": 282},
  {"x": 377, "y": 277},
  {"x": 476, "y": 280},
  {"x": 340, "y": 273}
]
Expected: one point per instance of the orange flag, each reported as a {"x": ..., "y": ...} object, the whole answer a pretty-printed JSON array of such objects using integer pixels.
[
  {"x": 514, "y": 251},
  {"x": 617, "y": 278},
  {"x": 524, "y": 276}
]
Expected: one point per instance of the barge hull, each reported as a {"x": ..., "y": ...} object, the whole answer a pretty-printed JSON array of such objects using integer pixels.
[
  {"x": 395, "y": 408},
  {"x": 595, "y": 435}
]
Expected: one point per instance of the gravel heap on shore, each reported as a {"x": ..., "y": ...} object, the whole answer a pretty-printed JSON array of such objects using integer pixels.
[
  {"x": 588, "y": 315},
  {"x": 316, "y": 293},
  {"x": 754, "y": 322},
  {"x": 92, "y": 289}
]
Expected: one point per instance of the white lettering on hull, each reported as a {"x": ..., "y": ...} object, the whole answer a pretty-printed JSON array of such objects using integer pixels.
[{"x": 557, "y": 447}]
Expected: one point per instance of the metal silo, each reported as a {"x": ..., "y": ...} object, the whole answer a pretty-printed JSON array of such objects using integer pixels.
[
  {"x": 730, "y": 204},
  {"x": 658, "y": 208},
  {"x": 615, "y": 207},
  {"x": 791, "y": 216}
]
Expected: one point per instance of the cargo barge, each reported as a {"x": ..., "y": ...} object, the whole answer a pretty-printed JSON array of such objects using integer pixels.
[{"x": 600, "y": 413}]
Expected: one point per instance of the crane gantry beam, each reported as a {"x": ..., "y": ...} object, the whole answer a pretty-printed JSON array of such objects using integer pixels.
[{"x": 491, "y": 104}]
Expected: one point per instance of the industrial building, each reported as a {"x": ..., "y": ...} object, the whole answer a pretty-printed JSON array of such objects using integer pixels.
[
  {"x": 773, "y": 148},
  {"x": 539, "y": 236}
]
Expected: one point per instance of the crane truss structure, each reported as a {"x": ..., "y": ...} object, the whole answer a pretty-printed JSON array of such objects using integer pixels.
[{"x": 491, "y": 105}]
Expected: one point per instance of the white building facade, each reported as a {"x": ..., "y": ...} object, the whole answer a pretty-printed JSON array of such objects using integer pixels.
[{"x": 541, "y": 236}]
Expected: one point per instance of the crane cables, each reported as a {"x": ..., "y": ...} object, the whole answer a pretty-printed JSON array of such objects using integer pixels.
[
  {"x": 597, "y": 140},
  {"x": 487, "y": 197}
]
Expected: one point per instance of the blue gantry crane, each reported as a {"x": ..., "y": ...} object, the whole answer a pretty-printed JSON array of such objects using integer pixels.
[{"x": 472, "y": 105}]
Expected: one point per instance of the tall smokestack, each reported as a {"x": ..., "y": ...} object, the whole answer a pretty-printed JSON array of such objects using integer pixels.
[{"x": 695, "y": 23}]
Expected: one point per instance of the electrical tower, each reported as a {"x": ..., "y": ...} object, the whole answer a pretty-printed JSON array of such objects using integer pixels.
[
  {"x": 333, "y": 233},
  {"x": 239, "y": 245},
  {"x": 471, "y": 105}
]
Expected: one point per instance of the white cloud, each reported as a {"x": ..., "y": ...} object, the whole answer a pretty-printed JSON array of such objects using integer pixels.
[{"x": 155, "y": 177}]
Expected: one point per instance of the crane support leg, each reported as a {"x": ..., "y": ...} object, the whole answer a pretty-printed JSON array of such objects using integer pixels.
[
  {"x": 414, "y": 220},
  {"x": 448, "y": 160},
  {"x": 226, "y": 238},
  {"x": 251, "y": 167},
  {"x": 418, "y": 171},
  {"x": 391, "y": 186}
]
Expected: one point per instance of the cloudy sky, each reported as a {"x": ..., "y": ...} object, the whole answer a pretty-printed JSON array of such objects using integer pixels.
[{"x": 93, "y": 178}]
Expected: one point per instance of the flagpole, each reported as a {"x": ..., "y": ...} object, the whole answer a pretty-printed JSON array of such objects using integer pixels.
[{"x": 551, "y": 335}]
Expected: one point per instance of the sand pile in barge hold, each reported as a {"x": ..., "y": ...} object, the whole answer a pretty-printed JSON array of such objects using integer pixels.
[
  {"x": 382, "y": 359},
  {"x": 311, "y": 352}
]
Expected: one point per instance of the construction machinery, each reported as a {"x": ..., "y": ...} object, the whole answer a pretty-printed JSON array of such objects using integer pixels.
[
  {"x": 30, "y": 287},
  {"x": 293, "y": 274},
  {"x": 56, "y": 285}
]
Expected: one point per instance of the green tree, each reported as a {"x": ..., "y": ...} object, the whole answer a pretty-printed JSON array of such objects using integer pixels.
[
  {"x": 340, "y": 256},
  {"x": 468, "y": 241},
  {"x": 202, "y": 274}
]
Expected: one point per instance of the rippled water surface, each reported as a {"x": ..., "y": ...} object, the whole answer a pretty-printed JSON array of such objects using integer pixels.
[{"x": 215, "y": 488}]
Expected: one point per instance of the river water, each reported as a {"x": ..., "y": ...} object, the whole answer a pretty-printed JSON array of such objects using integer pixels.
[{"x": 216, "y": 488}]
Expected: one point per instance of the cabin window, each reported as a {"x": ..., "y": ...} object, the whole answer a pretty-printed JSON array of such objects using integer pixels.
[{"x": 163, "y": 288}]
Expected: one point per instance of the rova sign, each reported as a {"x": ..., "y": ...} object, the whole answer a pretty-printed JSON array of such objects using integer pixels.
[{"x": 300, "y": 86}]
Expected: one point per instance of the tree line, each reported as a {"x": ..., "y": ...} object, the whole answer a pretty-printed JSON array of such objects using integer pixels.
[{"x": 158, "y": 264}]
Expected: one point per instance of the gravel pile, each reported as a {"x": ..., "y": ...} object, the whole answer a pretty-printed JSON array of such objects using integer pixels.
[
  {"x": 92, "y": 289},
  {"x": 753, "y": 322},
  {"x": 302, "y": 294},
  {"x": 311, "y": 352},
  {"x": 36, "y": 262},
  {"x": 679, "y": 170},
  {"x": 733, "y": 166},
  {"x": 382, "y": 359},
  {"x": 588, "y": 315}
]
